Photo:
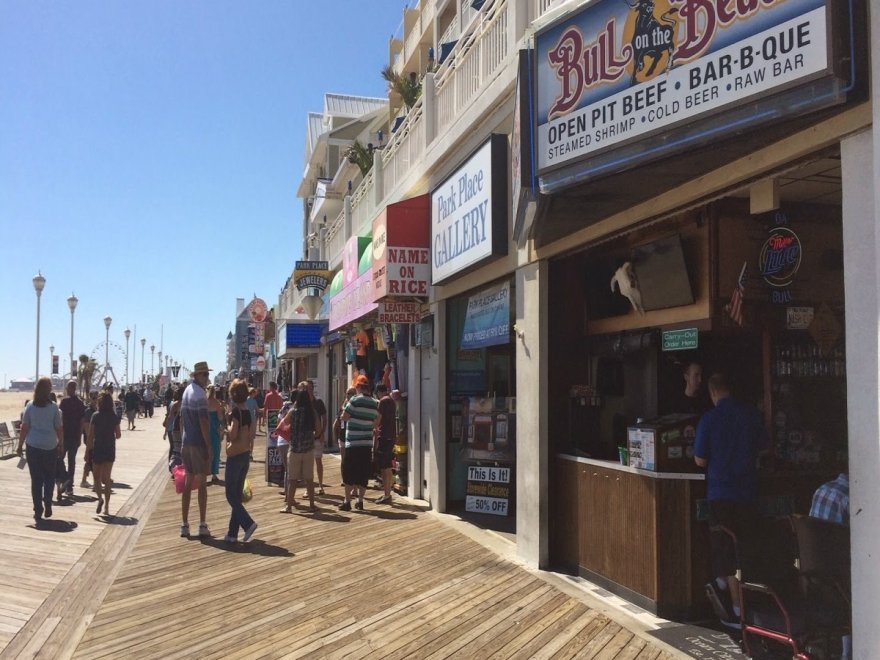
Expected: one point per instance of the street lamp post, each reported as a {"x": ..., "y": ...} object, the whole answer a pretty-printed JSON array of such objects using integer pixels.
[
  {"x": 160, "y": 362},
  {"x": 52, "y": 359},
  {"x": 143, "y": 343},
  {"x": 39, "y": 282},
  {"x": 152, "y": 359},
  {"x": 71, "y": 302},
  {"x": 107, "y": 322},
  {"x": 127, "y": 334}
]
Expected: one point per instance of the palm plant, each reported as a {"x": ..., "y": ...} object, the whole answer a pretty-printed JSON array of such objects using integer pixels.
[
  {"x": 408, "y": 87},
  {"x": 360, "y": 155}
]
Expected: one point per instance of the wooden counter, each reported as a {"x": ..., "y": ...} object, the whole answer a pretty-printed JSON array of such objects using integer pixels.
[
  {"x": 643, "y": 535},
  {"x": 633, "y": 532}
]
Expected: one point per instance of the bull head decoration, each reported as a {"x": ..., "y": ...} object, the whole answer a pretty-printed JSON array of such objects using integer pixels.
[{"x": 625, "y": 280}]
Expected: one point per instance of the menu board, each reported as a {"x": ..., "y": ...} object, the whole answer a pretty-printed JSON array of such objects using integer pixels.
[{"x": 274, "y": 464}]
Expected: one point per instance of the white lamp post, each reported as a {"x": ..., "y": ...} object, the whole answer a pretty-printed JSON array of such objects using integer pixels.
[
  {"x": 152, "y": 359},
  {"x": 51, "y": 360},
  {"x": 39, "y": 282},
  {"x": 127, "y": 334},
  {"x": 71, "y": 302},
  {"x": 107, "y": 322},
  {"x": 143, "y": 343}
]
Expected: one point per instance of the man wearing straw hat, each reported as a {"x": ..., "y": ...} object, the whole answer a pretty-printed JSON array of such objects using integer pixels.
[{"x": 196, "y": 452}]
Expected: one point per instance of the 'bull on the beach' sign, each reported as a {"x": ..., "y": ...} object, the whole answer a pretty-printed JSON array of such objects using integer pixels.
[{"x": 618, "y": 71}]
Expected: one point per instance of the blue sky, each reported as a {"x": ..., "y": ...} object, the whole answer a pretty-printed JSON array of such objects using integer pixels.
[{"x": 149, "y": 158}]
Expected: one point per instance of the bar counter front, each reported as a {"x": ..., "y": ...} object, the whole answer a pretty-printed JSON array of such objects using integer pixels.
[
  {"x": 632, "y": 531},
  {"x": 643, "y": 535}
]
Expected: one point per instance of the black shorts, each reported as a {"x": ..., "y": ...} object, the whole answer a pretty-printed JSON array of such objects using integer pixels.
[
  {"x": 742, "y": 520},
  {"x": 384, "y": 454},
  {"x": 357, "y": 466}
]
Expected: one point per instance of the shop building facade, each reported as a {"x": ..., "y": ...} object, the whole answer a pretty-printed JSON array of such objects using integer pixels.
[{"x": 698, "y": 180}]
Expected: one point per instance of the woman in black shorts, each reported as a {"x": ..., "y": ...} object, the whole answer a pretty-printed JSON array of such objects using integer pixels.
[{"x": 104, "y": 431}]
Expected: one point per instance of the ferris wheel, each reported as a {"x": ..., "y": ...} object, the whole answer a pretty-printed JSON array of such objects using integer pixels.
[{"x": 115, "y": 354}]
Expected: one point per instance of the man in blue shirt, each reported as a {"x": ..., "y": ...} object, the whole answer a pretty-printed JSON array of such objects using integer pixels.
[
  {"x": 831, "y": 501},
  {"x": 729, "y": 439}
]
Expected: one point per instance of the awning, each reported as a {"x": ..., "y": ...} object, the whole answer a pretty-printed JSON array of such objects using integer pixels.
[
  {"x": 366, "y": 262},
  {"x": 353, "y": 302},
  {"x": 335, "y": 286}
]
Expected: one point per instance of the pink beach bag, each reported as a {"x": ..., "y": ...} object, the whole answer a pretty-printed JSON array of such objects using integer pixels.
[{"x": 178, "y": 472}]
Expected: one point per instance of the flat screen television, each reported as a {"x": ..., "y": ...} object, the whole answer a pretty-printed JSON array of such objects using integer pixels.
[{"x": 662, "y": 274}]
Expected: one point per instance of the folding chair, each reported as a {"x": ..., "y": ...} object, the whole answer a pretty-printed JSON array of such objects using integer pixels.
[{"x": 7, "y": 442}]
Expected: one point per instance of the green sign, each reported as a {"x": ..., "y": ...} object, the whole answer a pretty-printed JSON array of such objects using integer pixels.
[{"x": 680, "y": 340}]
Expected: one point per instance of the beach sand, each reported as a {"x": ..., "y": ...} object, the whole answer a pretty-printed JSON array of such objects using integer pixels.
[{"x": 11, "y": 404}]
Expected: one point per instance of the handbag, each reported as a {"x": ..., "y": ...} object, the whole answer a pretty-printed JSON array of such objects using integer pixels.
[
  {"x": 247, "y": 493},
  {"x": 178, "y": 472}
]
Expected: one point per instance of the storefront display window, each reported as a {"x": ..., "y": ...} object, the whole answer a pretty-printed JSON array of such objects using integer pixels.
[{"x": 481, "y": 403}]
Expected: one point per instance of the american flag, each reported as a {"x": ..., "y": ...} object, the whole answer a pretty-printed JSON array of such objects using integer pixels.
[{"x": 734, "y": 308}]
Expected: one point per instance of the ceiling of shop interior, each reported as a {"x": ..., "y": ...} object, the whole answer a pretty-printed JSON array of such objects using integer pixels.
[{"x": 816, "y": 182}]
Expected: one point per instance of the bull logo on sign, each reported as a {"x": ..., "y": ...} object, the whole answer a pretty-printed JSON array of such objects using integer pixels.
[{"x": 652, "y": 37}]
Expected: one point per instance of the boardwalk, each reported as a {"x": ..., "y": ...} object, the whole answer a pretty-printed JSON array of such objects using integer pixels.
[{"x": 389, "y": 582}]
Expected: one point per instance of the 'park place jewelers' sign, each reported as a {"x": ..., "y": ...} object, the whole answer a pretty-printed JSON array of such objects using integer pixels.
[
  {"x": 469, "y": 212},
  {"x": 618, "y": 71}
]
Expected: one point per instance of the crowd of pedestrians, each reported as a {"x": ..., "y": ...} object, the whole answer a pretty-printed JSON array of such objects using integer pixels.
[
  {"x": 52, "y": 434},
  {"x": 201, "y": 421}
]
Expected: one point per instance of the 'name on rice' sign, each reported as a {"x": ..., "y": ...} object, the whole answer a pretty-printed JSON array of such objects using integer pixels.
[{"x": 616, "y": 72}]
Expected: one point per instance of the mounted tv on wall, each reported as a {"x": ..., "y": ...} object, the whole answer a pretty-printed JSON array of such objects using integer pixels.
[{"x": 662, "y": 274}]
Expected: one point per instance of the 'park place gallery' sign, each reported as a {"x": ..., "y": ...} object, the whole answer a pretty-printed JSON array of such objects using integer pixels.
[
  {"x": 617, "y": 71},
  {"x": 469, "y": 212}
]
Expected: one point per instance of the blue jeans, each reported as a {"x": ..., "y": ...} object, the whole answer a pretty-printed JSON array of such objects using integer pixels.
[
  {"x": 41, "y": 465},
  {"x": 236, "y": 472}
]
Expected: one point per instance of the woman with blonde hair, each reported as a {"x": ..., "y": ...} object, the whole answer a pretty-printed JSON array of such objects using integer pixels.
[
  {"x": 41, "y": 431},
  {"x": 104, "y": 431},
  {"x": 239, "y": 445}
]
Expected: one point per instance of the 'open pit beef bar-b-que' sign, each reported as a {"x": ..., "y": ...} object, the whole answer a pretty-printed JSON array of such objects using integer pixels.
[{"x": 615, "y": 72}]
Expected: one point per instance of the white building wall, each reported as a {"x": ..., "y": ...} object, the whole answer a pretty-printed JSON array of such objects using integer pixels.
[
  {"x": 530, "y": 332},
  {"x": 860, "y": 160},
  {"x": 859, "y": 156}
]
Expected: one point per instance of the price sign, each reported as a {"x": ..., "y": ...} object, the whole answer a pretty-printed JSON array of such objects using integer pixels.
[
  {"x": 493, "y": 505},
  {"x": 488, "y": 490}
]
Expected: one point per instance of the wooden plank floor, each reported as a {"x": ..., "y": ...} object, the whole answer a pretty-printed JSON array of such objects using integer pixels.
[
  {"x": 389, "y": 582},
  {"x": 36, "y": 562}
]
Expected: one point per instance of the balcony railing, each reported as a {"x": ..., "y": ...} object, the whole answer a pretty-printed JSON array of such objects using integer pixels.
[
  {"x": 363, "y": 202},
  {"x": 334, "y": 239},
  {"x": 404, "y": 150},
  {"x": 477, "y": 59},
  {"x": 474, "y": 62},
  {"x": 540, "y": 7}
]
